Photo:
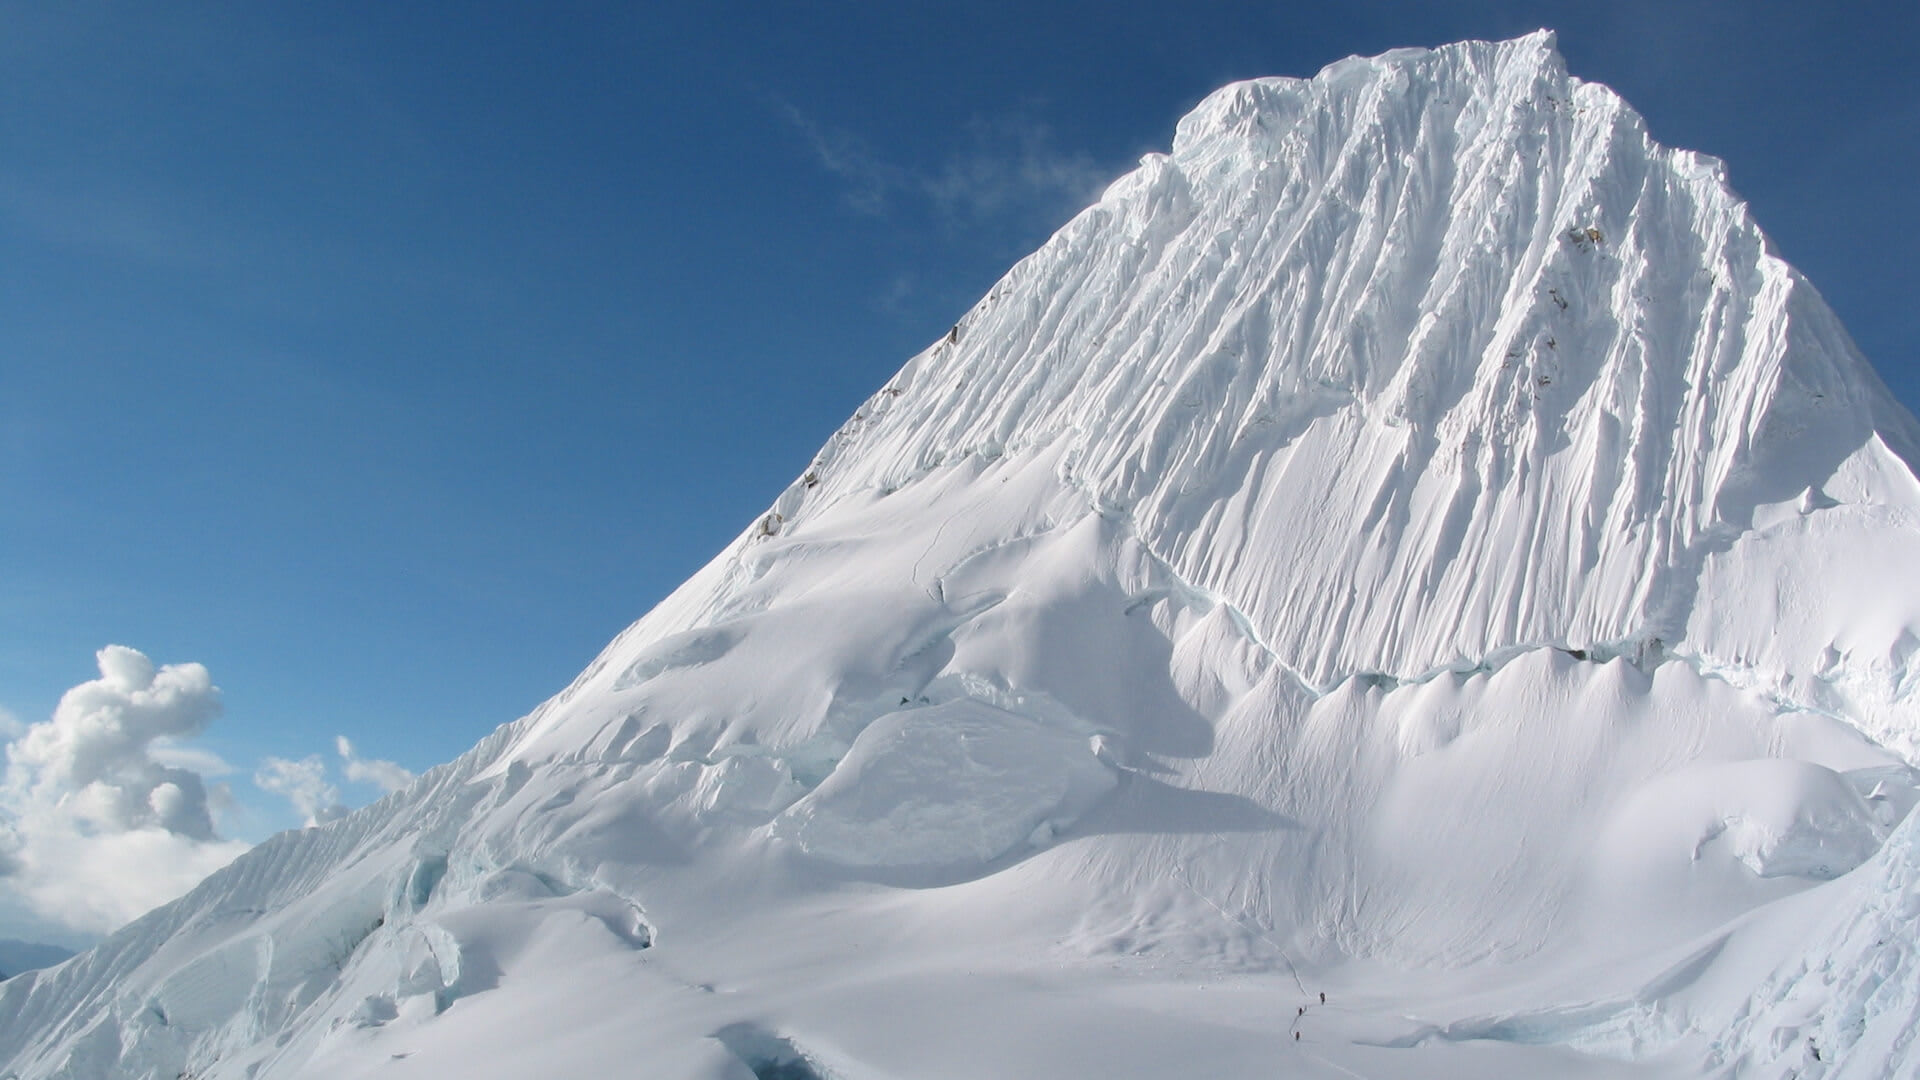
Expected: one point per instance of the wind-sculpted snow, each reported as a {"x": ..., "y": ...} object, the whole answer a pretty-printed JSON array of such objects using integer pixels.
[
  {"x": 1413, "y": 541},
  {"x": 1419, "y": 359}
]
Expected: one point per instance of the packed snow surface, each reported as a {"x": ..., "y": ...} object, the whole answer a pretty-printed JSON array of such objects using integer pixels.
[{"x": 1413, "y": 543}]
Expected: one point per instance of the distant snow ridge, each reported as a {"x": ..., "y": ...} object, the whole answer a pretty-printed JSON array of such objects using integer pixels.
[
  {"x": 1412, "y": 542},
  {"x": 20, "y": 956}
]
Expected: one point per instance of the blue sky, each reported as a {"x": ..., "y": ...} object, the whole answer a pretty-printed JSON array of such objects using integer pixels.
[{"x": 389, "y": 359}]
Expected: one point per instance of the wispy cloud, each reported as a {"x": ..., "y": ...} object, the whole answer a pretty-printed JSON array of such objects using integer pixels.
[
  {"x": 122, "y": 221},
  {"x": 1003, "y": 165},
  {"x": 872, "y": 183},
  {"x": 898, "y": 292},
  {"x": 1012, "y": 163}
]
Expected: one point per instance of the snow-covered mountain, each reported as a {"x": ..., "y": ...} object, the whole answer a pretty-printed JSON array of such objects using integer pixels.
[{"x": 1412, "y": 543}]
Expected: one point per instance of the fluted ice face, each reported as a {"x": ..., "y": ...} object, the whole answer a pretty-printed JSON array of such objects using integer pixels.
[{"x": 1427, "y": 359}]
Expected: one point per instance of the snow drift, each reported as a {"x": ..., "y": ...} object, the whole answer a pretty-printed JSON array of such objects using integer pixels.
[{"x": 1413, "y": 541}]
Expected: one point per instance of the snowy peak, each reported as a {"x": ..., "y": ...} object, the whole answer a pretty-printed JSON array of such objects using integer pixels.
[
  {"x": 1520, "y": 366},
  {"x": 1250, "y": 117},
  {"x": 1413, "y": 539}
]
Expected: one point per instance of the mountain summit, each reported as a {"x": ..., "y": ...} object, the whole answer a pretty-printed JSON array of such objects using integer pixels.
[{"x": 1407, "y": 584}]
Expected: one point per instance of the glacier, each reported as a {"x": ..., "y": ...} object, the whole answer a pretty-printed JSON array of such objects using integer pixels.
[{"x": 1406, "y": 584}]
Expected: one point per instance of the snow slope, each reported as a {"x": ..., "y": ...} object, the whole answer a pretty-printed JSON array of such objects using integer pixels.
[{"x": 1412, "y": 542}]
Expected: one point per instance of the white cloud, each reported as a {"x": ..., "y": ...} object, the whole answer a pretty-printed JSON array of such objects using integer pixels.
[
  {"x": 94, "y": 753},
  {"x": 104, "y": 814},
  {"x": 1006, "y": 165},
  {"x": 1011, "y": 164},
  {"x": 386, "y": 775},
  {"x": 193, "y": 758},
  {"x": 314, "y": 796},
  {"x": 304, "y": 783},
  {"x": 99, "y": 882},
  {"x": 106, "y": 809},
  {"x": 870, "y": 180}
]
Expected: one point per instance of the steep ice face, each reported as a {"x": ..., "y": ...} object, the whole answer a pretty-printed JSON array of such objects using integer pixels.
[
  {"x": 1413, "y": 527},
  {"x": 1433, "y": 356},
  {"x": 1429, "y": 360}
]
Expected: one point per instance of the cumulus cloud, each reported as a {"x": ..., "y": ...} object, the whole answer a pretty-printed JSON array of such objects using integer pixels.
[
  {"x": 305, "y": 783},
  {"x": 386, "y": 775},
  {"x": 195, "y": 758},
  {"x": 105, "y": 815},
  {"x": 95, "y": 754}
]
